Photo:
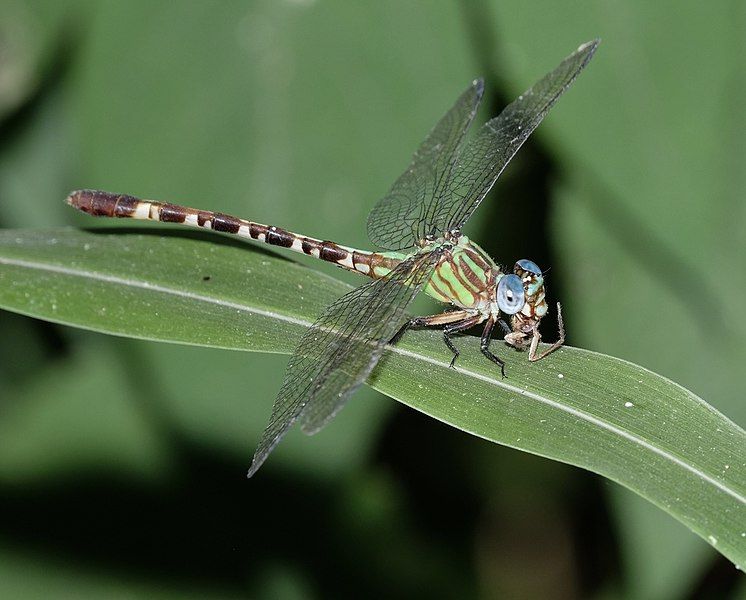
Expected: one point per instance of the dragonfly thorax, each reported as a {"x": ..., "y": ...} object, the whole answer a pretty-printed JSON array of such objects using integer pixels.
[
  {"x": 450, "y": 238},
  {"x": 453, "y": 235},
  {"x": 466, "y": 276}
]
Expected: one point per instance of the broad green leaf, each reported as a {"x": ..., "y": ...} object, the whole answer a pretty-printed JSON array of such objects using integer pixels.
[
  {"x": 583, "y": 408},
  {"x": 43, "y": 431}
]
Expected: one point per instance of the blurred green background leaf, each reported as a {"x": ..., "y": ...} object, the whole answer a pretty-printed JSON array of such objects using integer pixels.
[{"x": 301, "y": 113}]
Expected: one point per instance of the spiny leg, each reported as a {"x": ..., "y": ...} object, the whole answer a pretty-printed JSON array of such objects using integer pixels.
[
  {"x": 455, "y": 328},
  {"x": 504, "y": 327},
  {"x": 443, "y": 318},
  {"x": 537, "y": 337},
  {"x": 454, "y": 321},
  {"x": 485, "y": 344}
]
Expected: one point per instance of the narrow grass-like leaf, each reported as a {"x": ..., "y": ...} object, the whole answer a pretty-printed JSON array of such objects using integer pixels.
[{"x": 594, "y": 411}]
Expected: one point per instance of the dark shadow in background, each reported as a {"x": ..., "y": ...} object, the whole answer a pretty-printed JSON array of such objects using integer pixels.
[
  {"x": 210, "y": 527},
  {"x": 13, "y": 125},
  {"x": 52, "y": 75}
]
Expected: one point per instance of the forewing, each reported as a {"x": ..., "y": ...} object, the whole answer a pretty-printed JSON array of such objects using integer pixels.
[
  {"x": 483, "y": 159},
  {"x": 405, "y": 215},
  {"x": 340, "y": 350}
]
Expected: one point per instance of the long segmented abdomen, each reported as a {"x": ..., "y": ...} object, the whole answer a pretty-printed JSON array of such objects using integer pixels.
[{"x": 106, "y": 204}]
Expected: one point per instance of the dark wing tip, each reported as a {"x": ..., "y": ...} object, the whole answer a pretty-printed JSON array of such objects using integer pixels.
[
  {"x": 589, "y": 48},
  {"x": 255, "y": 464},
  {"x": 478, "y": 86},
  {"x": 270, "y": 438},
  {"x": 253, "y": 468},
  {"x": 477, "y": 89}
]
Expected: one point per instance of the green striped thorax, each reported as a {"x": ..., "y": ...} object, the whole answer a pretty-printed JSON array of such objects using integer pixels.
[
  {"x": 468, "y": 278},
  {"x": 465, "y": 276}
]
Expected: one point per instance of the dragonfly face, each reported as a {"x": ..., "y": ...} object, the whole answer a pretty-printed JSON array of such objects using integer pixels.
[
  {"x": 525, "y": 321},
  {"x": 533, "y": 286}
]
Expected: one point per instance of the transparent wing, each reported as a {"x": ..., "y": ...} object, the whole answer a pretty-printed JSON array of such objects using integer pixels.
[
  {"x": 340, "y": 350},
  {"x": 407, "y": 213},
  {"x": 483, "y": 159}
]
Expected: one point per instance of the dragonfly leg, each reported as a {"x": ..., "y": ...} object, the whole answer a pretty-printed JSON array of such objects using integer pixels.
[
  {"x": 485, "y": 344},
  {"x": 455, "y": 328},
  {"x": 537, "y": 337},
  {"x": 443, "y": 318},
  {"x": 451, "y": 347},
  {"x": 504, "y": 327}
]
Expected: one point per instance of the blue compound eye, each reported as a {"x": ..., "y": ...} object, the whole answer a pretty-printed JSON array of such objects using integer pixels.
[
  {"x": 510, "y": 296},
  {"x": 528, "y": 265}
]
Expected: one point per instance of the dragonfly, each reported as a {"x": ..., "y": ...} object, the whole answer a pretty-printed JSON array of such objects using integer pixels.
[{"x": 418, "y": 224}]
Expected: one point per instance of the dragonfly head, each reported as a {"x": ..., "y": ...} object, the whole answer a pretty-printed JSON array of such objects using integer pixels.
[
  {"x": 535, "y": 305},
  {"x": 525, "y": 323}
]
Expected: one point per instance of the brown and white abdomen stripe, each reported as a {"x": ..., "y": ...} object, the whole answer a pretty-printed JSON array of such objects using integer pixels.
[{"x": 105, "y": 204}]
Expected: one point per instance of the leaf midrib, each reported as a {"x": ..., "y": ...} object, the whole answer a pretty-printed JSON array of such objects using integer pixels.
[
  {"x": 139, "y": 284},
  {"x": 144, "y": 285}
]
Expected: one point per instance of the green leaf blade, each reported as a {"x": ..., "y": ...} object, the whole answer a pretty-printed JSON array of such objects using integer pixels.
[
  {"x": 156, "y": 288},
  {"x": 666, "y": 444},
  {"x": 594, "y": 411}
]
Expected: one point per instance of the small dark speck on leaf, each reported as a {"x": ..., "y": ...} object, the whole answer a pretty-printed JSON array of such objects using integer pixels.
[{"x": 206, "y": 278}]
